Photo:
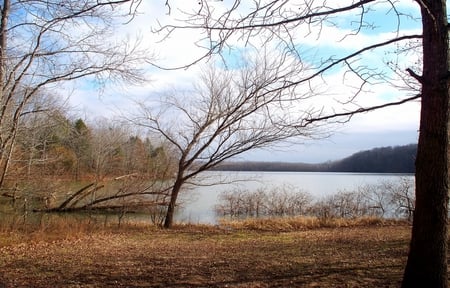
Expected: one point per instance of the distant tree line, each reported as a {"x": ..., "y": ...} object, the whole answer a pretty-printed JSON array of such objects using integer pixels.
[{"x": 398, "y": 159}]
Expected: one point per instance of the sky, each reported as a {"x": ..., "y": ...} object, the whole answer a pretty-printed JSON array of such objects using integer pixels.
[{"x": 387, "y": 127}]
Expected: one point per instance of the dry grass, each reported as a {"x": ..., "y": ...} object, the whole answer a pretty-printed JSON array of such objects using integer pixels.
[
  {"x": 204, "y": 256},
  {"x": 53, "y": 227},
  {"x": 304, "y": 223}
]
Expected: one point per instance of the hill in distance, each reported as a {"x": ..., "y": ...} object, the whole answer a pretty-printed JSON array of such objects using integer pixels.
[{"x": 398, "y": 159}]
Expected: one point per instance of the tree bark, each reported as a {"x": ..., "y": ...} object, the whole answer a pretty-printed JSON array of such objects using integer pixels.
[
  {"x": 4, "y": 155},
  {"x": 427, "y": 259},
  {"x": 168, "y": 221}
]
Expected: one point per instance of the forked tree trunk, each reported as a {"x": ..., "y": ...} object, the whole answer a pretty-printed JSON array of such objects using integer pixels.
[{"x": 427, "y": 259}]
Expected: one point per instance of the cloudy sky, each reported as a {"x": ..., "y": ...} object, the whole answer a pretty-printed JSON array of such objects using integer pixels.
[{"x": 388, "y": 127}]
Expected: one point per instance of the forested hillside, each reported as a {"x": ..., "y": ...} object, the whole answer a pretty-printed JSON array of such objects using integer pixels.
[
  {"x": 56, "y": 147},
  {"x": 398, "y": 159}
]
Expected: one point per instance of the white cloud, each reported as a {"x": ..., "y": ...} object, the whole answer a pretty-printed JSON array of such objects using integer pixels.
[{"x": 182, "y": 47}]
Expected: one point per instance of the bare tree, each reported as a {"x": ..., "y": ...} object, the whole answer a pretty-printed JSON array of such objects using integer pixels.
[
  {"x": 283, "y": 22},
  {"x": 37, "y": 131},
  {"x": 46, "y": 43},
  {"x": 401, "y": 194},
  {"x": 106, "y": 141},
  {"x": 229, "y": 113},
  {"x": 378, "y": 199},
  {"x": 38, "y": 150},
  {"x": 264, "y": 202}
]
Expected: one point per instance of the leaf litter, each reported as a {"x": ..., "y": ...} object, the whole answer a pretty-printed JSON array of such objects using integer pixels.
[{"x": 372, "y": 256}]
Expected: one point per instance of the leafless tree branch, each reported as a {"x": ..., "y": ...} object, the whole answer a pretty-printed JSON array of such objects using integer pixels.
[{"x": 43, "y": 43}]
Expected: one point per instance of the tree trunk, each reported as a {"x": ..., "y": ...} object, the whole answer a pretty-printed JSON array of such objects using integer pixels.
[
  {"x": 168, "y": 221},
  {"x": 427, "y": 259},
  {"x": 5, "y": 9}
]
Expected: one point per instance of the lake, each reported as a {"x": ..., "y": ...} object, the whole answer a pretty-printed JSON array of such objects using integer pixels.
[{"x": 199, "y": 201}]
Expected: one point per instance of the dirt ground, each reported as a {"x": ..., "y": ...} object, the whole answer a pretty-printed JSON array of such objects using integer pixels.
[{"x": 209, "y": 257}]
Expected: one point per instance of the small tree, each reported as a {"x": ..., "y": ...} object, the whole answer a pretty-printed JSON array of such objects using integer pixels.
[
  {"x": 79, "y": 140},
  {"x": 229, "y": 113},
  {"x": 401, "y": 194}
]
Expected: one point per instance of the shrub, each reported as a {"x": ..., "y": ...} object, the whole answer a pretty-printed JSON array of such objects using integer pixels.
[{"x": 386, "y": 199}]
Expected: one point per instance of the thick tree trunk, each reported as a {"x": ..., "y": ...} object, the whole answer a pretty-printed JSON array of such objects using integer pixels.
[{"x": 427, "y": 259}]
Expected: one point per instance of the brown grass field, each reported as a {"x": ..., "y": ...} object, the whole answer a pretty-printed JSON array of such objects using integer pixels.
[{"x": 233, "y": 255}]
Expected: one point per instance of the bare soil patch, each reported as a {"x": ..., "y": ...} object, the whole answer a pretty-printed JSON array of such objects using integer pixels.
[{"x": 208, "y": 257}]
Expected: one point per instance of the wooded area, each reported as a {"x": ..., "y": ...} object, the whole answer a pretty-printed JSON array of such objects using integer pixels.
[
  {"x": 62, "y": 164},
  {"x": 398, "y": 159}
]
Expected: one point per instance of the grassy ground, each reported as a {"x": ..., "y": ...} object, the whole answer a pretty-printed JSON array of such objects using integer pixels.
[{"x": 201, "y": 256}]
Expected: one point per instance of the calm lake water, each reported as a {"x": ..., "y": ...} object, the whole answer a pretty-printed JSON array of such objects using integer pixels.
[{"x": 199, "y": 201}]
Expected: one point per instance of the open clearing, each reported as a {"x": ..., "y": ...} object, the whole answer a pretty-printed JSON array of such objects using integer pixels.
[{"x": 197, "y": 256}]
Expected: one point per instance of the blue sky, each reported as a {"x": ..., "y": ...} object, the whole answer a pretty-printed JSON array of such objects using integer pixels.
[{"x": 388, "y": 127}]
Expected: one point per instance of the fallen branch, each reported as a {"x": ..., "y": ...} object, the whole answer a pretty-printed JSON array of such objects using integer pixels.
[
  {"x": 65, "y": 203},
  {"x": 126, "y": 176},
  {"x": 96, "y": 188}
]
